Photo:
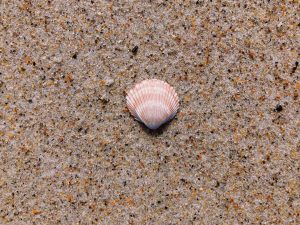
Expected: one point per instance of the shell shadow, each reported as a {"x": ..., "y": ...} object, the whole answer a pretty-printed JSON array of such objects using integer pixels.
[{"x": 157, "y": 131}]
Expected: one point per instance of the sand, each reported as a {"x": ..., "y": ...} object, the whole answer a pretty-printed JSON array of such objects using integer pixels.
[{"x": 71, "y": 153}]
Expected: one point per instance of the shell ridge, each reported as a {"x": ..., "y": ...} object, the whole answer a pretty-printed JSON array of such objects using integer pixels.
[{"x": 138, "y": 101}]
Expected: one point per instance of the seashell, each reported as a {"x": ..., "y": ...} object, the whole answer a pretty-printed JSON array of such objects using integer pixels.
[{"x": 153, "y": 102}]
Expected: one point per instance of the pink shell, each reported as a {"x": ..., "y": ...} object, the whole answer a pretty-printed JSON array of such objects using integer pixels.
[{"x": 153, "y": 102}]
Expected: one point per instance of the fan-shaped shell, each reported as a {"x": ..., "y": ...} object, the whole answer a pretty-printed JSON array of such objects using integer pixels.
[{"x": 153, "y": 102}]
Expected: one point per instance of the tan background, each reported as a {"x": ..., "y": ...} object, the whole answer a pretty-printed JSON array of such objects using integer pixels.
[{"x": 72, "y": 154}]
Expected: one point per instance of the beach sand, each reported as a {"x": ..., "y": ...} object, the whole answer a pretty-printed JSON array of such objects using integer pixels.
[{"x": 71, "y": 153}]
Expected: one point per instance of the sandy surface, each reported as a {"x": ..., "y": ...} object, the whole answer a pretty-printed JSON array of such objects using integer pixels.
[{"x": 72, "y": 154}]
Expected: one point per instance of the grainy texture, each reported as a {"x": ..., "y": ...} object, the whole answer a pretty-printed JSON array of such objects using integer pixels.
[{"x": 72, "y": 154}]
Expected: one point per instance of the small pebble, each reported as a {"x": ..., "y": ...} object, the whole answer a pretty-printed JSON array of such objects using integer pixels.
[
  {"x": 135, "y": 49},
  {"x": 104, "y": 98},
  {"x": 57, "y": 59},
  {"x": 108, "y": 81},
  {"x": 278, "y": 108}
]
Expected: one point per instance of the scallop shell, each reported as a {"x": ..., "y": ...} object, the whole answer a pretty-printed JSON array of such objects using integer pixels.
[{"x": 153, "y": 102}]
